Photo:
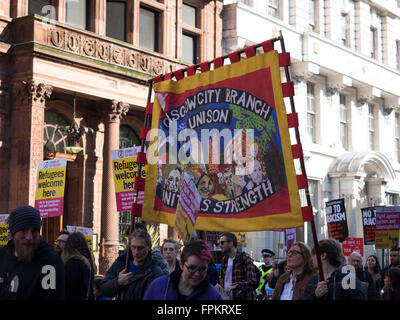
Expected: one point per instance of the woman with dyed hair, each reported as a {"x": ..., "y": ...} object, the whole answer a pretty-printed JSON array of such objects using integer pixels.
[{"x": 189, "y": 283}]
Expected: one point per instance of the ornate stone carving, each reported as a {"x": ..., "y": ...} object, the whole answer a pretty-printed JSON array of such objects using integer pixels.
[
  {"x": 116, "y": 110},
  {"x": 38, "y": 92},
  {"x": 110, "y": 52}
]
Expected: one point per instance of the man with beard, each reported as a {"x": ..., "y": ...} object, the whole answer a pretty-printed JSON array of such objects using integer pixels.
[
  {"x": 29, "y": 267},
  {"x": 238, "y": 273},
  {"x": 60, "y": 242}
]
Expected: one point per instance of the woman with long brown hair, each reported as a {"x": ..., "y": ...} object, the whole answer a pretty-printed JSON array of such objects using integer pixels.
[
  {"x": 79, "y": 268},
  {"x": 291, "y": 285}
]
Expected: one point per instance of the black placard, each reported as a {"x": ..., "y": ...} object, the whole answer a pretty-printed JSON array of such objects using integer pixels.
[
  {"x": 337, "y": 220},
  {"x": 368, "y": 216}
]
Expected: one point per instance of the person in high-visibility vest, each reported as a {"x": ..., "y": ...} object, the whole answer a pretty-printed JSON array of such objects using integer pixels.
[{"x": 265, "y": 269}]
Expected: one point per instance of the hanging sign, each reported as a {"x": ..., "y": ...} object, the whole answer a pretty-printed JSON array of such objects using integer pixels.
[
  {"x": 368, "y": 217},
  {"x": 336, "y": 219},
  {"x": 49, "y": 199}
]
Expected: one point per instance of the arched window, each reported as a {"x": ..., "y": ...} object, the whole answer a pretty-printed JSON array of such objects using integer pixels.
[
  {"x": 127, "y": 137},
  {"x": 54, "y": 139}
]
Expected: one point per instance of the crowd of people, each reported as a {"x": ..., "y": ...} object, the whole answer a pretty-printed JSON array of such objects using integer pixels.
[{"x": 30, "y": 268}]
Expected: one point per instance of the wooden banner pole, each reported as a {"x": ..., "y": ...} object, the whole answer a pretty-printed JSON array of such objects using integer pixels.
[
  {"x": 303, "y": 169},
  {"x": 134, "y": 220}
]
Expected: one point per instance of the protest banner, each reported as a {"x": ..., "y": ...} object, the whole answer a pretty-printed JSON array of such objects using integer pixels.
[
  {"x": 125, "y": 170},
  {"x": 49, "y": 199},
  {"x": 336, "y": 219},
  {"x": 187, "y": 209},
  {"x": 87, "y": 232},
  {"x": 387, "y": 227},
  {"x": 353, "y": 244},
  {"x": 247, "y": 183},
  {"x": 369, "y": 221}
]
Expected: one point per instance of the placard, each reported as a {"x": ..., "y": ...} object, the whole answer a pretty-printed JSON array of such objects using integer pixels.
[
  {"x": 187, "y": 209},
  {"x": 87, "y": 232},
  {"x": 368, "y": 216},
  {"x": 125, "y": 170},
  {"x": 49, "y": 199},
  {"x": 353, "y": 244},
  {"x": 336, "y": 219},
  {"x": 387, "y": 227}
]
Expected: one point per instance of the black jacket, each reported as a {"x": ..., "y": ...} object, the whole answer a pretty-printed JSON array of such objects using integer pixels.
[
  {"x": 336, "y": 291},
  {"x": 78, "y": 276},
  {"x": 41, "y": 279},
  {"x": 136, "y": 289},
  {"x": 365, "y": 276}
]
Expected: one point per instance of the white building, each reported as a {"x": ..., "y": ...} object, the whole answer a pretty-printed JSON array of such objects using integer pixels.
[{"x": 346, "y": 69}]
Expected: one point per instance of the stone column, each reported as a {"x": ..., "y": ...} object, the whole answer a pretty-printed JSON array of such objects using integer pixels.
[
  {"x": 114, "y": 111},
  {"x": 376, "y": 191},
  {"x": 27, "y": 125}
]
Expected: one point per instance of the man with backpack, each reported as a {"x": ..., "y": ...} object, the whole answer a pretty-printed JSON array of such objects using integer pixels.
[{"x": 238, "y": 273}]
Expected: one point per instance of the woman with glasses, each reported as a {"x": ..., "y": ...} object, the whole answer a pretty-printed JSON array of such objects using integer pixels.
[
  {"x": 189, "y": 283},
  {"x": 291, "y": 285}
]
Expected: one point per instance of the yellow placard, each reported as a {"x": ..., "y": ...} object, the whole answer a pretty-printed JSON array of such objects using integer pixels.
[
  {"x": 51, "y": 183},
  {"x": 386, "y": 239},
  {"x": 3, "y": 234}
]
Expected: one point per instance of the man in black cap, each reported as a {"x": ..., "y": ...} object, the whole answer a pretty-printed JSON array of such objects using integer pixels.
[
  {"x": 265, "y": 269},
  {"x": 29, "y": 267}
]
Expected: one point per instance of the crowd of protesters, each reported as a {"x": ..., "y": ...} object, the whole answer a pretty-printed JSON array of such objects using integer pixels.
[{"x": 30, "y": 268}]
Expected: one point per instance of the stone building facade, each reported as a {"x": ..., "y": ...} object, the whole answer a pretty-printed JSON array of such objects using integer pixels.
[
  {"x": 346, "y": 69},
  {"x": 85, "y": 64}
]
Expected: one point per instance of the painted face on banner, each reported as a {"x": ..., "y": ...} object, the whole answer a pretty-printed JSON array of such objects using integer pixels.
[
  {"x": 173, "y": 180},
  {"x": 257, "y": 174},
  {"x": 205, "y": 186}
]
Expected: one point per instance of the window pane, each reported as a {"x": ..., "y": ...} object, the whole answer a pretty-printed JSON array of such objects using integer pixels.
[
  {"x": 189, "y": 15},
  {"x": 188, "y": 48},
  {"x": 273, "y": 8},
  {"x": 127, "y": 137},
  {"x": 75, "y": 13},
  {"x": 310, "y": 97},
  {"x": 311, "y": 126},
  {"x": 398, "y": 54},
  {"x": 343, "y": 135},
  {"x": 116, "y": 20},
  {"x": 373, "y": 43},
  {"x": 311, "y": 13},
  {"x": 36, "y": 7},
  {"x": 147, "y": 29}
]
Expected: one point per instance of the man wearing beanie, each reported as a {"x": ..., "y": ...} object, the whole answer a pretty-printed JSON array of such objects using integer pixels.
[{"x": 29, "y": 267}]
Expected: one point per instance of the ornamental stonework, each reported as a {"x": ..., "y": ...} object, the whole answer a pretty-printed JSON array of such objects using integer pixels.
[{"x": 109, "y": 52}]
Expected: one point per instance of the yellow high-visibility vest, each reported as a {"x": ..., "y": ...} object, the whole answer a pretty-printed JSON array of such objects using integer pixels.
[{"x": 263, "y": 279}]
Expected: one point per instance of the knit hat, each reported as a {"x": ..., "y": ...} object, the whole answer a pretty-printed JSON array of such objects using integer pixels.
[{"x": 24, "y": 217}]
